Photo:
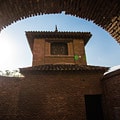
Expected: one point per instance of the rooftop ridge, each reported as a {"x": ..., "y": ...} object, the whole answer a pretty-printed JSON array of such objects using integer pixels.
[
  {"x": 64, "y": 67},
  {"x": 57, "y": 32}
]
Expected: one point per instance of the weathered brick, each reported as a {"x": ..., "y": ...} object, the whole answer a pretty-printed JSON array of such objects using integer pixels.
[
  {"x": 48, "y": 95},
  {"x": 111, "y": 87}
]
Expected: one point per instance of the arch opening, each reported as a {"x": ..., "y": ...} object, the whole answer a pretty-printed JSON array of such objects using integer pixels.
[
  {"x": 103, "y": 12},
  {"x": 94, "y": 49}
]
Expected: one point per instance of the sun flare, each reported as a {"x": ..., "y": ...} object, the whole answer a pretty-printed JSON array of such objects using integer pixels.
[{"x": 6, "y": 52}]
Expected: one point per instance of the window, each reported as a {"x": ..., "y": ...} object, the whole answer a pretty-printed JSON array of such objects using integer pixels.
[{"x": 59, "y": 48}]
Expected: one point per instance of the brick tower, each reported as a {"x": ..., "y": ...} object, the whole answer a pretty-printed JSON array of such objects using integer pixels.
[{"x": 58, "y": 47}]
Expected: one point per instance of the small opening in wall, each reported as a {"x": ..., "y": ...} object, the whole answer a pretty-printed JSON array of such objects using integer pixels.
[
  {"x": 59, "y": 48},
  {"x": 94, "y": 107}
]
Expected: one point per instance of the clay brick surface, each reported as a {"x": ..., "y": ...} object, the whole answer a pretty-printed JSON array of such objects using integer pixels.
[
  {"x": 9, "y": 96},
  {"x": 48, "y": 95},
  {"x": 42, "y": 55},
  {"x": 38, "y": 51},
  {"x": 111, "y": 87}
]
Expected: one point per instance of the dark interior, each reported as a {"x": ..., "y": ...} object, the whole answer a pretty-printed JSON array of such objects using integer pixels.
[{"x": 94, "y": 107}]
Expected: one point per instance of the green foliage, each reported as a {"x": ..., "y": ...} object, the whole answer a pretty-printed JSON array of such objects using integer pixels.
[{"x": 76, "y": 57}]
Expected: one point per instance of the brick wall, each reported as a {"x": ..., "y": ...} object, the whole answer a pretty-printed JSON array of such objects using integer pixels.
[
  {"x": 79, "y": 50},
  {"x": 111, "y": 87},
  {"x": 38, "y": 51},
  {"x": 42, "y": 55},
  {"x": 9, "y": 96},
  {"x": 62, "y": 59},
  {"x": 48, "y": 95}
]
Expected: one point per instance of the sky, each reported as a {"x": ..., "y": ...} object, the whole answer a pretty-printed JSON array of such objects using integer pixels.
[{"x": 101, "y": 50}]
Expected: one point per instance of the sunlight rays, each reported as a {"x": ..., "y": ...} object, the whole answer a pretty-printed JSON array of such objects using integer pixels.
[{"x": 7, "y": 51}]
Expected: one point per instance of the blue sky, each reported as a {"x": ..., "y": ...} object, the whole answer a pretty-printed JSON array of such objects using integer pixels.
[{"x": 101, "y": 50}]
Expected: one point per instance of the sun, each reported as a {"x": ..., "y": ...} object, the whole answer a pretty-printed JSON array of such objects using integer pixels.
[{"x": 6, "y": 52}]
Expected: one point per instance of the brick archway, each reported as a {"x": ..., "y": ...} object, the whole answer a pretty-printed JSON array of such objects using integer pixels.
[{"x": 104, "y": 13}]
